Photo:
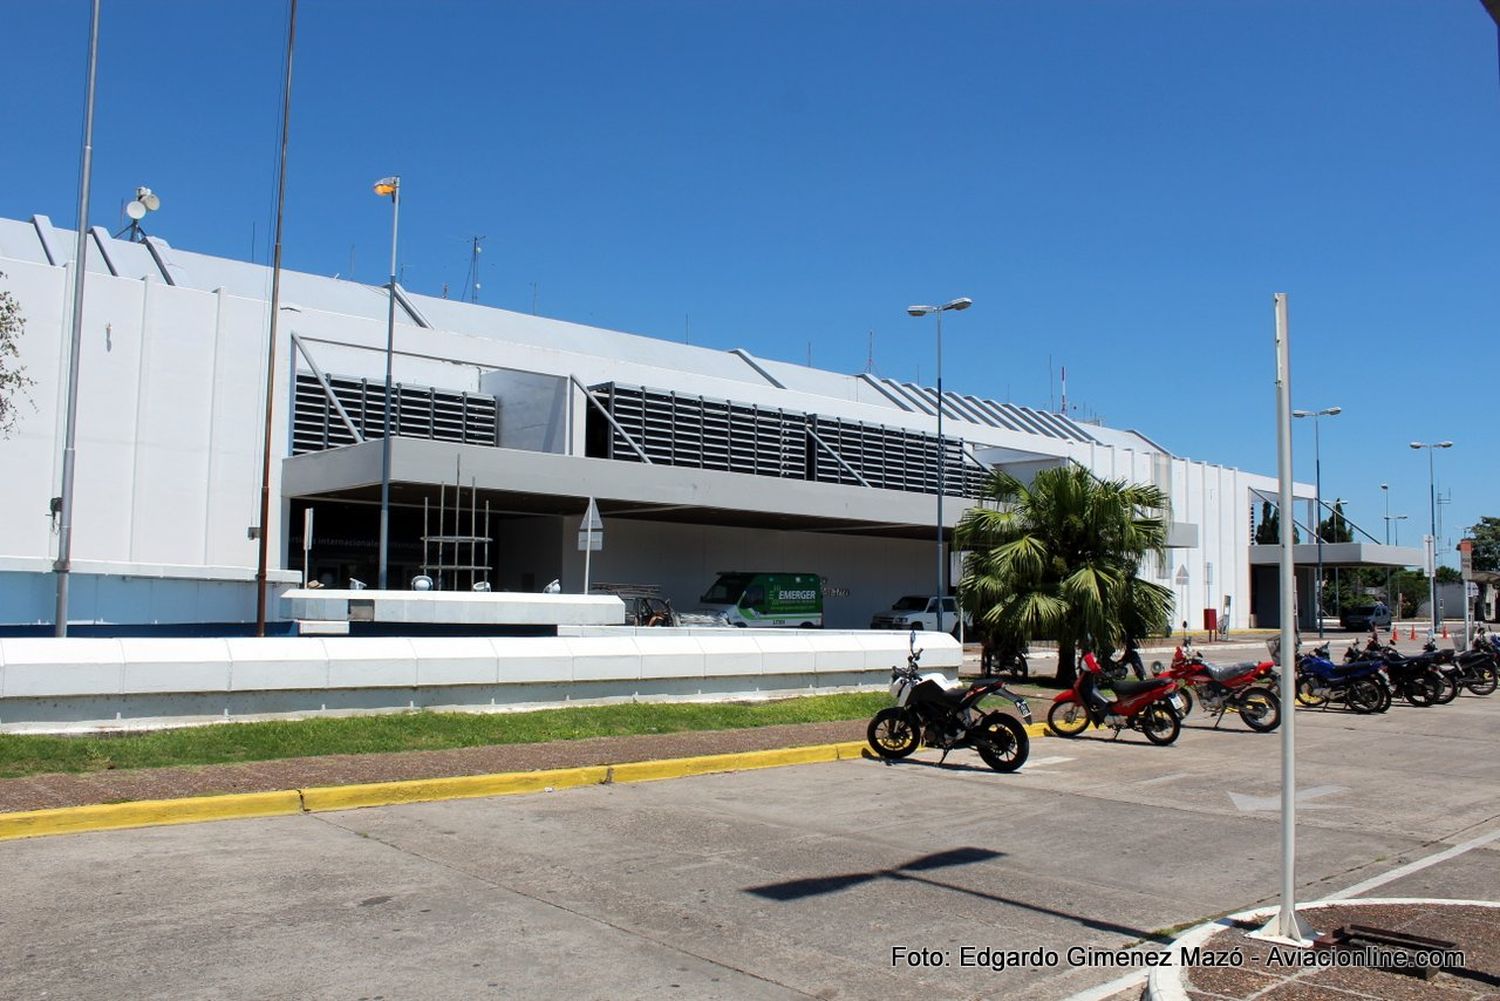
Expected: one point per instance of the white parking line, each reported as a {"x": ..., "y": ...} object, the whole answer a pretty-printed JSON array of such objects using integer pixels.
[
  {"x": 1043, "y": 762},
  {"x": 1411, "y": 867}
]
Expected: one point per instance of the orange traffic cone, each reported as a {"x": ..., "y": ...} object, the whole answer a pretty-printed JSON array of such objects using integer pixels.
[
  {"x": 1395, "y": 636},
  {"x": 1445, "y": 630},
  {"x": 1413, "y": 632}
]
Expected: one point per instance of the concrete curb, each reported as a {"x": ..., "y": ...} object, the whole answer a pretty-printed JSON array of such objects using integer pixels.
[
  {"x": 148, "y": 813},
  {"x": 324, "y": 799}
]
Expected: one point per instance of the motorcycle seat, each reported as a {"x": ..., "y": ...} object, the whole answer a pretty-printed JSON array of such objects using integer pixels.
[
  {"x": 1226, "y": 672},
  {"x": 1127, "y": 689}
]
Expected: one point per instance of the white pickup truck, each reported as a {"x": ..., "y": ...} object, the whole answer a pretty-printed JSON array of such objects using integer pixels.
[{"x": 918, "y": 611}]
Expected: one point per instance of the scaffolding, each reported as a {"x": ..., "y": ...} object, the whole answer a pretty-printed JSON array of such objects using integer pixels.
[{"x": 448, "y": 574}]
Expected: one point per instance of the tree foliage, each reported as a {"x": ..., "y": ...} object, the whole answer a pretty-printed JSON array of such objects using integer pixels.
[
  {"x": 1058, "y": 560},
  {"x": 14, "y": 383},
  {"x": 1268, "y": 532},
  {"x": 1486, "y": 536},
  {"x": 1335, "y": 527}
]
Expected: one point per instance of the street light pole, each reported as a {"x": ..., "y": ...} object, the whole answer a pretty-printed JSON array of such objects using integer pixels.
[
  {"x": 388, "y": 186},
  {"x": 64, "y": 564},
  {"x": 1385, "y": 488},
  {"x": 942, "y": 568},
  {"x": 1432, "y": 507},
  {"x": 1317, "y": 525}
]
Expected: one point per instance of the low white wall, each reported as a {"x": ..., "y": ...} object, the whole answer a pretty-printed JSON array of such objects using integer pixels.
[
  {"x": 76, "y": 679},
  {"x": 463, "y": 607}
]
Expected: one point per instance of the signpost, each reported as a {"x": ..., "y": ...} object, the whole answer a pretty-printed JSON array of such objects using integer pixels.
[{"x": 590, "y": 538}]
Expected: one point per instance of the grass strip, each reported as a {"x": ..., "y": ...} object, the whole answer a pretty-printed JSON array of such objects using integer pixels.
[{"x": 221, "y": 743}]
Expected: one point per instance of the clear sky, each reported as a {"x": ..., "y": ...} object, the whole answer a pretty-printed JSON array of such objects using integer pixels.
[{"x": 1119, "y": 186}]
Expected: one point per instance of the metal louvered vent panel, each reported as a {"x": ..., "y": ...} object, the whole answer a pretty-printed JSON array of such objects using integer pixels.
[
  {"x": 677, "y": 429},
  {"x": 416, "y": 412}
]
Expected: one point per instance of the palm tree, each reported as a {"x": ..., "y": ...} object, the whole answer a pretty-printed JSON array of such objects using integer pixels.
[{"x": 1058, "y": 559}]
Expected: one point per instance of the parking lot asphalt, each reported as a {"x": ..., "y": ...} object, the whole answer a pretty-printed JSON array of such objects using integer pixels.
[{"x": 789, "y": 883}]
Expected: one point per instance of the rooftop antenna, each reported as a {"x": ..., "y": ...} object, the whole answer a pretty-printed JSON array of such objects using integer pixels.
[
  {"x": 145, "y": 201},
  {"x": 1064, "y": 410},
  {"x": 809, "y": 354},
  {"x": 870, "y": 355},
  {"x": 471, "y": 280}
]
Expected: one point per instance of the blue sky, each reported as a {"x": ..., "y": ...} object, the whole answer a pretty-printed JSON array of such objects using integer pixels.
[{"x": 1119, "y": 186}]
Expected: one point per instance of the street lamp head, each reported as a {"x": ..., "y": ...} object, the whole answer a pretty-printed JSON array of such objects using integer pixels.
[
  {"x": 1416, "y": 444},
  {"x": 1302, "y": 413},
  {"x": 388, "y": 186},
  {"x": 1445, "y": 444},
  {"x": 962, "y": 302},
  {"x": 1331, "y": 411},
  {"x": 921, "y": 310},
  {"x": 1385, "y": 486}
]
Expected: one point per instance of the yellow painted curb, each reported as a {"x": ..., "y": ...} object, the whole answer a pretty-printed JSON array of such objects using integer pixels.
[
  {"x": 148, "y": 813},
  {"x": 672, "y": 768},
  {"x": 350, "y": 797},
  {"x": 320, "y": 799}
]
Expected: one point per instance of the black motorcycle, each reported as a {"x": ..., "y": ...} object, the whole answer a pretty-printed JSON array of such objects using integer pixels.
[{"x": 930, "y": 710}]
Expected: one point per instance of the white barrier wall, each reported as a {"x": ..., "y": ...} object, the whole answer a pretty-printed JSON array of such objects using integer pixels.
[{"x": 64, "y": 681}]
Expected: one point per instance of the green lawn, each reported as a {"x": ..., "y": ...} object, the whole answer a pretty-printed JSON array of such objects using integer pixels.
[{"x": 418, "y": 731}]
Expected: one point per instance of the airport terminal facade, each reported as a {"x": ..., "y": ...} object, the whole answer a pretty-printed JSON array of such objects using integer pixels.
[{"x": 701, "y": 460}]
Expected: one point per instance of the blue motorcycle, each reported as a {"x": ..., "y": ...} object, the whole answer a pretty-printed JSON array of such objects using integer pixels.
[{"x": 1359, "y": 686}]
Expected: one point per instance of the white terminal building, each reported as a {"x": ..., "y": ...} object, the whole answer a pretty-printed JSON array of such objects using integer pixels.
[{"x": 701, "y": 460}]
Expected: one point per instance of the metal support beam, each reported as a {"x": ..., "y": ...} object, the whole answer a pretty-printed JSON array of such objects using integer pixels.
[
  {"x": 611, "y": 418},
  {"x": 328, "y": 390},
  {"x": 837, "y": 458}
]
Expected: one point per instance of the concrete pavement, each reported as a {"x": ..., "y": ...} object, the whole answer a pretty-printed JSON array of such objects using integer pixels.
[{"x": 779, "y": 884}]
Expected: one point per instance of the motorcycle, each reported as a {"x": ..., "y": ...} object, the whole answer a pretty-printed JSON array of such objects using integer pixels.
[
  {"x": 1247, "y": 688},
  {"x": 1361, "y": 686},
  {"x": 1475, "y": 668},
  {"x": 931, "y": 710},
  {"x": 1138, "y": 705},
  {"x": 1421, "y": 679}
]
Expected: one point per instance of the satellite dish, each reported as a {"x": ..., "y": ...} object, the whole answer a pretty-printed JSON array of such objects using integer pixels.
[
  {"x": 135, "y": 210},
  {"x": 151, "y": 201}
]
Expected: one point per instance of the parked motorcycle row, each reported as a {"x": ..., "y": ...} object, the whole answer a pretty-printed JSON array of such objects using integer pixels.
[
  {"x": 934, "y": 712},
  {"x": 1371, "y": 677}
]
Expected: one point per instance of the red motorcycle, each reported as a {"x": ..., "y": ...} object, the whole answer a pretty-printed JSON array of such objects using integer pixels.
[
  {"x": 1139, "y": 705},
  {"x": 1247, "y": 688}
]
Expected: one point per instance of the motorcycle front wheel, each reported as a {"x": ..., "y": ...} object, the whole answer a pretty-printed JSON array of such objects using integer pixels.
[
  {"x": 1260, "y": 709},
  {"x": 894, "y": 733},
  {"x": 1159, "y": 723},
  {"x": 1367, "y": 696},
  {"x": 1067, "y": 719},
  {"x": 1484, "y": 680},
  {"x": 1002, "y": 742},
  {"x": 1422, "y": 690},
  {"x": 1306, "y": 696}
]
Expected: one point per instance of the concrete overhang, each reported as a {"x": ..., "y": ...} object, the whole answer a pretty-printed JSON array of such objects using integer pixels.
[
  {"x": 519, "y": 481},
  {"x": 1340, "y": 554},
  {"x": 1182, "y": 535}
]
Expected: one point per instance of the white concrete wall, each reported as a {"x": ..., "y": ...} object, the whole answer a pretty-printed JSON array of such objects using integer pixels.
[
  {"x": 170, "y": 411},
  {"x": 64, "y": 681}
]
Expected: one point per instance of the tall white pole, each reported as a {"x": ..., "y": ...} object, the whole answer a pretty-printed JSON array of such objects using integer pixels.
[
  {"x": 1285, "y": 925},
  {"x": 64, "y": 562},
  {"x": 390, "y": 389},
  {"x": 942, "y": 576}
]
